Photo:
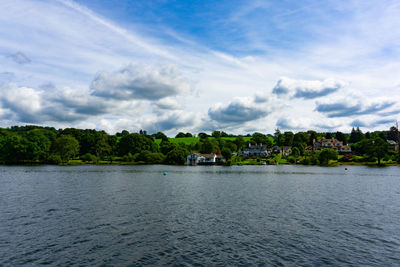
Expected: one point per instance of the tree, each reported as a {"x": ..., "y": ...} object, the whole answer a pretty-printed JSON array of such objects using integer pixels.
[
  {"x": 161, "y": 135},
  {"x": 239, "y": 142},
  {"x": 150, "y": 157},
  {"x": 341, "y": 137},
  {"x": 260, "y": 138},
  {"x": 12, "y": 148},
  {"x": 226, "y": 153},
  {"x": 66, "y": 146},
  {"x": 393, "y": 134},
  {"x": 288, "y": 138},
  {"x": 135, "y": 143},
  {"x": 378, "y": 147},
  {"x": 38, "y": 145},
  {"x": 202, "y": 135},
  {"x": 216, "y": 134},
  {"x": 102, "y": 147},
  {"x": 295, "y": 152},
  {"x": 177, "y": 156},
  {"x": 224, "y": 134},
  {"x": 180, "y": 135},
  {"x": 188, "y": 135},
  {"x": 166, "y": 147},
  {"x": 313, "y": 136},
  {"x": 206, "y": 147},
  {"x": 327, "y": 154},
  {"x": 356, "y": 135}
]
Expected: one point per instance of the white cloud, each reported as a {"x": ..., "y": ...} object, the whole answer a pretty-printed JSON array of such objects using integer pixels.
[
  {"x": 307, "y": 89},
  {"x": 141, "y": 82}
]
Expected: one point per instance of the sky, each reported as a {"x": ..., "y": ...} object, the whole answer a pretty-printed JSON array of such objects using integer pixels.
[{"x": 200, "y": 66}]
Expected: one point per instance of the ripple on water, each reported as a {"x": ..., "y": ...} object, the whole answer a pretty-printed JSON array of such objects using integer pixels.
[{"x": 274, "y": 215}]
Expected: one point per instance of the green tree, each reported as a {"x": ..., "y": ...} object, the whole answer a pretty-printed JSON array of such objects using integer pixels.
[
  {"x": 216, "y": 134},
  {"x": 102, "y": 147},
  {"x": 161, "y": 135},
  {"x": 356, "y": 135},
  {"x": 226, "y": 153},
  {"x": 180, "y": 135},
  {"x": 135, "y": 143},
  {"x": 13, "y": 148},
  {"x": 378, "y": 147},
  {"x": 177, "y": 156},
  {"x": 327, "y": 154},
  {"x": 206, "y": 146},
  {"x": 295, "y": 152},
  {"x": 66, "y": 146},
  {"x": 341, "y": 137}
]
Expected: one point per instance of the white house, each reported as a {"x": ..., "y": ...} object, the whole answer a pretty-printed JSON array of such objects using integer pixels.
[{"x": 201, "y": 159}]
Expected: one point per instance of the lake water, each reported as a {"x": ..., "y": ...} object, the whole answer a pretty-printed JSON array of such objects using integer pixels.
[{"x": 247, "y": 215}]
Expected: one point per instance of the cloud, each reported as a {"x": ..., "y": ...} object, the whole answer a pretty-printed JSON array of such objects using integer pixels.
[
  {"x": 260, "y": 98},
  {"x": 306, "y": 89},
  {"x": 294, "y": 123},
  {"x": 165, "y": 104},
  {"x": 140, "y": 82},
  {"x": 240, "y": 110},
  {"x": 24, "y": 104},
  {"x": 20, "y": 58},
  {"x": 372, "y": 123},
  {"x": 6, "y": 77},
  {"x": 344, "y": 108},
  {"x": 176, "y": 120}
]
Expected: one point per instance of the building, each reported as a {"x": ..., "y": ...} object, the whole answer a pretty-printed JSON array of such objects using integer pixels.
[
  {"x": 255, "y": 151},
  {"x": 275, "y": 150},
  {"x": 203, "y": 159},
  {"x": 393, "y": 145},
  {"x": 286, "y": 150},
  {"x": 332, "y": 143}
]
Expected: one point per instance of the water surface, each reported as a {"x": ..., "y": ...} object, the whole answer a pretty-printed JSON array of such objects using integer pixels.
[{"x": 133, "y": 215}]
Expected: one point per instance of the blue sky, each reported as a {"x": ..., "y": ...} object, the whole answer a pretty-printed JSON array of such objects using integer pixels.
[{"x": 238, "y": 66}]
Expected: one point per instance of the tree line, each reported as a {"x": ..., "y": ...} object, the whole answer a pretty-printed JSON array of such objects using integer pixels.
[{"x": 36, "y": 145}]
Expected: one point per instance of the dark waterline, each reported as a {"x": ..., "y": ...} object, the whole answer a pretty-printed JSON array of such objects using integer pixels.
[{"x": 272, "y": 215}]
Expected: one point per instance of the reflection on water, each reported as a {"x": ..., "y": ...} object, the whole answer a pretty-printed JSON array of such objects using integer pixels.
[{"x": 118, "y": 215}]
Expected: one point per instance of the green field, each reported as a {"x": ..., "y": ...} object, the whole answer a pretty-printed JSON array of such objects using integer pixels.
[{"x": 194, "y": 140}]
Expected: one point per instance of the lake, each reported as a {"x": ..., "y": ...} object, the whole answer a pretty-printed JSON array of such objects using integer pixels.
[{"x": 210, "y": 215}]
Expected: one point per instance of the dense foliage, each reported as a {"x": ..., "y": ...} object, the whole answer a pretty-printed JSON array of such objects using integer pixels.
[{"x": 35, "y": 145}]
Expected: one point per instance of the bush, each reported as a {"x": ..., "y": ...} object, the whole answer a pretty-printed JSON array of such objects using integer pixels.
[
  {"x": 54, "y": 159},
  {"x": 88, "y": 158},
  {"x": 149, "y": 157},
  {"x": 291, "y": 159},
  {"x": 128, "y": 158}
]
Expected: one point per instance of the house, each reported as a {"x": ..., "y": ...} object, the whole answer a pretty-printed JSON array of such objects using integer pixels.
[
  {"x": 276, "y": 150},
  {"x": 393, "y": 145},
  {"x": 255, "y": 151},
  {"x": 203, "y": 159},
  {"x": 286, "y": 150},
  {"x": 332, "y": 143}
]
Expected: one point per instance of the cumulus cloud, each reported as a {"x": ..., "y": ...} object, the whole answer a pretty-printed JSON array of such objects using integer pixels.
[
  {"x": 372, "y": 123},
  {"x": 174, "y": 120},
  {"x": 238, "y": 111},
  {"x": 260, "y": 98},
  {"x": 293, "y": 124},
  {"x": 306, "y": 89},
  {"x": 20, "y": 58},
  {"x": 345, "y": 108},
  {"x": 166, "y": 104},
  {"x": 141, "y": 82},
  {"x": 24, "y": 104}
]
